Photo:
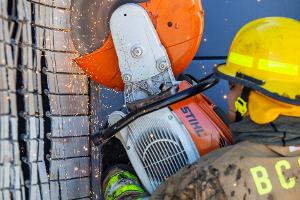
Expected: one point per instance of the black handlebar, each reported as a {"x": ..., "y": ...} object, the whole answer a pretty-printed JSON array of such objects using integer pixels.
[{"x": 104, "y": 135}]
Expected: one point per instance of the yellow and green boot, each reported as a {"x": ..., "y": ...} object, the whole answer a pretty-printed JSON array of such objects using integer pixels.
[{"x": 122, "y": 184}]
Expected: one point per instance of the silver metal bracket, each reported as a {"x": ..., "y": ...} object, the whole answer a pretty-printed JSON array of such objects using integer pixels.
[{"x": 143, "y": 61}]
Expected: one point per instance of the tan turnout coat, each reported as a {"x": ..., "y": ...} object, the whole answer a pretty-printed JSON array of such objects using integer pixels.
[{"x": 264, "y": 164}]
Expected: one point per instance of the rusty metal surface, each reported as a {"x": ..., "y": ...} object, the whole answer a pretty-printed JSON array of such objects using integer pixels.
[{"x": 103, "y": 102}]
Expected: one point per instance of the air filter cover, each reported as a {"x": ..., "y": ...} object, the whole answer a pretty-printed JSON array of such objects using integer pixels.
[{"x": 158, "y": 145}]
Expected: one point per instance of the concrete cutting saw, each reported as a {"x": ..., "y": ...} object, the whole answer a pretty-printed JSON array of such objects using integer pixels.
[{"x": 140, "y": 47}]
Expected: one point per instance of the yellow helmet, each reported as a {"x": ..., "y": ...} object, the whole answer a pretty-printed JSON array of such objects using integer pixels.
[{"x": 265, "y": 56}]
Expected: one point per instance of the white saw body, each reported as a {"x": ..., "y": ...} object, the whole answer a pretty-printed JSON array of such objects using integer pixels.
[{"x": 143, "y": 61}]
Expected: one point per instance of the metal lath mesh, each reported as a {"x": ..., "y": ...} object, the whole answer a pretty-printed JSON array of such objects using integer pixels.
[{"x": 158, "y": 147}]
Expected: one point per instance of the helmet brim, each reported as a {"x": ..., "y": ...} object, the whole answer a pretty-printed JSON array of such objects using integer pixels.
[{"x": 222, "y": 71}]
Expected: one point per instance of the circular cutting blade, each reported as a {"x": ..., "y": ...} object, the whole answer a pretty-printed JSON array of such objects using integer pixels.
[
  {"x": 178, "y": 23},
  {"x": 90, "y": 22}
]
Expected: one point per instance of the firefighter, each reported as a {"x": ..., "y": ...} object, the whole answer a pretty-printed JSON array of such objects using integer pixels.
[{"x": 263, "y": 71}]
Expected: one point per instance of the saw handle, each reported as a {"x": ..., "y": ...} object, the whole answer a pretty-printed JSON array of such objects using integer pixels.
[{"x": 106, "y": 134}]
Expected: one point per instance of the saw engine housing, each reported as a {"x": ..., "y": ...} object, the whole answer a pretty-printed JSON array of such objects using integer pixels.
[{"x": 162, "y": 142}]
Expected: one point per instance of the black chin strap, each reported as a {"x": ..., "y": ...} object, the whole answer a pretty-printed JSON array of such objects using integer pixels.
[{"x": 241, "y": 104}]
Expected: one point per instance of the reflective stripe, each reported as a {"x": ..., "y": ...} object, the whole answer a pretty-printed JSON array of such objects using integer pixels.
[
  {"x": 285, "y": 182},
  {"x": 261, "y": 179},
  {"x": 124, "y": 189},
  {"x": 278, "y": 67},
  {"x": 264, "y": 64},
  {"x": 239, "y": 59},
  {"x": 117, "y": 177},
  {"x": 241, "y": 106}
]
